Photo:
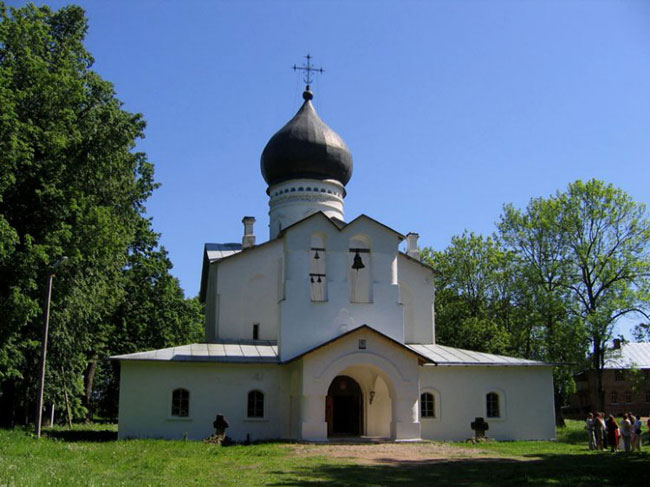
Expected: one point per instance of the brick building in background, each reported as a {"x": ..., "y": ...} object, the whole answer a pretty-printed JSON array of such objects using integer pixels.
[{"x": 626, "y": 383}]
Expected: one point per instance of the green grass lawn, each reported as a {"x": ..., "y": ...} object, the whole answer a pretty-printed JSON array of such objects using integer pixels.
[{"x": 90, "y": 456}]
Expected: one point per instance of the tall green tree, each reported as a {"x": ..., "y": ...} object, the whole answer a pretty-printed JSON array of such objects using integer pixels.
[
  {"x": 608, "y": 239},
  {"x": 71, "y": 184},
  {"x": 473, "y": 309},
  {"x": 586, "y": 252},
  {"x": 154, "y": 314}
]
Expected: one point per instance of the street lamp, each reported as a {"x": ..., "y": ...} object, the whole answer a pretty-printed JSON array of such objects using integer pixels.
[{"x": 46, "y": 324}]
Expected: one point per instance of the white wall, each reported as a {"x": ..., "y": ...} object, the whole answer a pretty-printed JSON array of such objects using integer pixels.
[
  {"x": 306, "y": 324},
  {"x": 397, "y": 368},
  {"x": 243, "y": 290},
  {"x": 146, "y": 390},
  {"x": 416, "y": 295},
  {"x": 526, "y": 402},
  {"x": 291, "y": 201}
]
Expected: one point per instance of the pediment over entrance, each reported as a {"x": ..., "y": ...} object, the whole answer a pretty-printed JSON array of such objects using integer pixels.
[
  {"x": 363, "y": 329},
  {"x": 383, "y": 375}
]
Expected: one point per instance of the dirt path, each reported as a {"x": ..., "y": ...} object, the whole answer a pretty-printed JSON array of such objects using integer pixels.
[{"x": 392, "y": 453}]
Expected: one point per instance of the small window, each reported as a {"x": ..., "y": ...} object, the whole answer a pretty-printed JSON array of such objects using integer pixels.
[
  {"x": 427, "y": 405},
  {"x": 613, "y": 398},
  {"x": 181, "y": 403},
  {"x": 492, "y": 405},
  {"x": 256, "y": 331},
  {"x": 362, "y": 344},
  {"x": 619, "y": 375},
  {"x": 255, "y": 404},
  {"x": 628, "y": 397}
]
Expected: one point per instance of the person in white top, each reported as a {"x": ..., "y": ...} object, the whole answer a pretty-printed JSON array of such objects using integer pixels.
[
  {"x": 626, "y": 431},
  {"x": 589, "y": 426}
]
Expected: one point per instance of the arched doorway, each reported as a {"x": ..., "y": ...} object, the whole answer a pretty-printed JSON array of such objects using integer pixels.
[{"x": 344, "y": 407}]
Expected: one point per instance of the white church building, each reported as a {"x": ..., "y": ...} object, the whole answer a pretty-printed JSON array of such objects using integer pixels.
[{"x": 326, "y": 330}]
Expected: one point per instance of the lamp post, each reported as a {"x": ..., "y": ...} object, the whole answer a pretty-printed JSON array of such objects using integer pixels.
[{"x": 46, "y": 324}]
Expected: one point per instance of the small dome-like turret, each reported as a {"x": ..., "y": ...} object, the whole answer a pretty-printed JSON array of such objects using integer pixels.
[{"x": 306, "y": 148}]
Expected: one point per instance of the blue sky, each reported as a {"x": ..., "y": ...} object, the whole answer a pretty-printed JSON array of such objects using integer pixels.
[{"x": 450, "y": 109}]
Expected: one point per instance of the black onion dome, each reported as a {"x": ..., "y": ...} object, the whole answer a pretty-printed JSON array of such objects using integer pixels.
[{"x": 306, "y": 148}]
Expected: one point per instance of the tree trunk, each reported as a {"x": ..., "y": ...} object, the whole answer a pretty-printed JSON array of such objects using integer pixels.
[
  {"x": 598, "y": 367},
  {"x": 67, "y": 401},
  {"x": 89, "y": 377},
  {"x": 7, "y": 404}
]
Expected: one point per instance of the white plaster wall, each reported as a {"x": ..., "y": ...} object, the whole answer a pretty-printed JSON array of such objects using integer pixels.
[
  {"x": 416, "y": 295},
  {"x": 397, "y": 367},
  {"x": 146, "y": 389},
  {"x": 243, "y": 290},
  {"x": 526, "y": 402},
  {"x": 380, "y": 411},
  {"x": 291, "y": 201},
  {"x": 306, "y": 324}
]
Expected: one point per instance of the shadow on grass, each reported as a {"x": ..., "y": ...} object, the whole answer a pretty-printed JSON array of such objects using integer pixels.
[
  {"x": 94, "y": 436},
  {"x": 574, "y": 436},
  {"x": 557, "y": 470}
]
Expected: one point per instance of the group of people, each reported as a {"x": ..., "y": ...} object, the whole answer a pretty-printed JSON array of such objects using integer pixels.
[{"x": 607, "y": 433}]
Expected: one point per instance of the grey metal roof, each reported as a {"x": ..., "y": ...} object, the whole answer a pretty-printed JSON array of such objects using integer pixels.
[
  {"x": 629, "y": 355},
  {"x": 306, "y": 148},
  {"x": 448, "y": 356},
  {"x": 228, "y": 351},
  {"x": 217, "y": 251}
]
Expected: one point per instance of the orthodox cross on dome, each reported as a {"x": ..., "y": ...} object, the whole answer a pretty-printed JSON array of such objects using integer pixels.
[{"x": 308, "y": 69}]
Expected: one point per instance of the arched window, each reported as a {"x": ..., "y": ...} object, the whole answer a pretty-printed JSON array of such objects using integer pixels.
[
  {"x": 255, "y": 404},
  {"x": 181, "y": 403},
  {"x": 427, "y": 405},
  {"x": 492, "y": 405}
]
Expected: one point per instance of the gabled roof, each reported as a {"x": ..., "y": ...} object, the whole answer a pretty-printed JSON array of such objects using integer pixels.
[
  {"x": 435, "y": 272},
  {"x": 340, "y": 224},
  {"x": 448, "y": 356},
  {"x": 628, "y": 356},
  {"x": 226, "y": 351},
  {"x": 376, "y": 222},
  {"x": 422, "y": 358},
  {"x": 217, "y": 252}
]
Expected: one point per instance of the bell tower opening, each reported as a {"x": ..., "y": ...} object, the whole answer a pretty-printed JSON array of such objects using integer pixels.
[{"x": 344, "y": 407}]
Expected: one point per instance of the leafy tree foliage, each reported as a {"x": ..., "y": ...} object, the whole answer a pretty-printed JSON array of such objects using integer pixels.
[
  {"x": 552, "y": 283},
  {"x": 472, "y": 306},
  {"x": 70, "y": 184}
]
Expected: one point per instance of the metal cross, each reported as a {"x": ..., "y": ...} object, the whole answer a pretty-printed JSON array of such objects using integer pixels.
[{"x": 308, "y": 69}]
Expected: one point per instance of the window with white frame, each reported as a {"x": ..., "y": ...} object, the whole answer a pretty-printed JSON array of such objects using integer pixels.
[
  {"x": 427, "y": 405},
  {"x": 492, "y": 405},
  {"x": 255, "y": 404},
  {"x": 181, "y": 403}
]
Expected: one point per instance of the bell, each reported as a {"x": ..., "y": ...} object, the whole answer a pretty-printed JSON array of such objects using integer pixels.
[
  {"x": 319, "y": 279},
  {"x": 357, "y": 264},
  {"x": 311, "y": 278},
  {"x": 316, "y": 256}
]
